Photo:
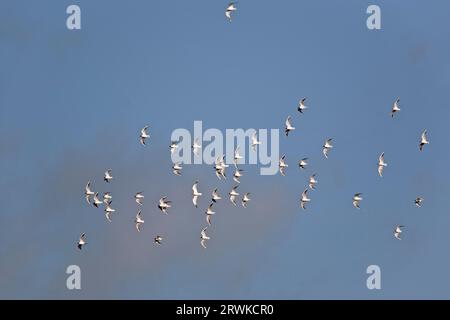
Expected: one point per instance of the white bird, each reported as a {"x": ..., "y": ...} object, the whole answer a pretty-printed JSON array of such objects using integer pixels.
[
  {"x": 108, "y": 176},
  {"x": 196, "y": 146},
  {"x": 82, "y": 241},
  {"x": 381, "y": 164},
  {"x": 237, "y": 174},
  {"x": 326, "y": 147},
  {"x": 288, "y": 126},
  {"x": 139, "y": 197},
  {"x": 144, "y": 135},
  {"x": 215, "y": 195},
  {"x": 204, "y": 237},
  {"x": 173, "y": 146},
  {"x": 138, "y": 221},
  {"x": 108, "y": 212},
  {"x": 176, "y": 169},
  {"x": 423, "y": 140},
  {"x": 255, "y": 141},
  {"x": 88, "y": 192},
  {"x": 418, "y": 202},
  {"x": 302, "y": 106},
  {"x": 230, "y": 8},
  {"x": 356, "y": 199},
  {"x": 282, "y": 165},
  {"x": 246, "y": 199},
  {"x": 107, "y": 198},
  {"x": 237, "y": 155},
  {"x": 313, "y": 182},
  {"x": 398, "y": 231},
  {"x": 164, "y": 204},
  {"x": 304, "y": 199},
  {"x": 96, "y": 201},
  {"x": 195, "y": 194},
  {"x": 220, "y": 167},
  {"x": 158, "y": 239},
  {"x": 395, "y": 107},
  {"x": 209, "y": 212},
  {"x": 303, "y": 163},
  {"x": 233, "y": 194}
]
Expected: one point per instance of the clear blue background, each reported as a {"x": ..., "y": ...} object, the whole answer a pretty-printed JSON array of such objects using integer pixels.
[{"x": 72, "y": 104}]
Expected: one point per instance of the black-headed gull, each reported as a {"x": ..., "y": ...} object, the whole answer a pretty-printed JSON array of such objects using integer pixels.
[
  {"x": 216, "y": 196},
  {"x": 423, "y": 140},
  {"x": 82, "y": 241},
  {"x": 233, "y": 194},
  {"x": 204, "y": 237},
  {"x": 195, "y": 194},
  {"x": 255, "y": 141},
  {"x": 304, "y": 199},
  {"x": 138, "y": 221},
  {"x": 209, "y": 212},
  {"x": 246, "y": 199},
  {"x": 164, "y": 204},
  {"x": 230, "y": 9},
  {"x": 288, "y": 126},
  {"x": 303, "y": 163},
  {"x": 301, "y": 105},
  {"x": 356, "y": 199},
  {"x": 176, "y": 169},
  {"x": 395, "y": 107},
  {"x": 381, "y": 164},
  {"x": 326, "y": 147},
  {"x": 144, "y": 135},
  {"x": 196, "y": 146},
  {"x": 418, "y": 202},
  {"x": 282, "y": 165},
  {"x": 158, "y": 240},
  {"x": 96, "y": 201},
  {"x": 139, "y": 197},
  {"x": 398, "y": 231},
  {"x": 88, "y": 192},
  {"x": 313, "y": 182},
  {"x": 108, "y": 176}
]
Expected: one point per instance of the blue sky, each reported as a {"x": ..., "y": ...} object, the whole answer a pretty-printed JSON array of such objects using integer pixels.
[{"x": 72, "y": 104}]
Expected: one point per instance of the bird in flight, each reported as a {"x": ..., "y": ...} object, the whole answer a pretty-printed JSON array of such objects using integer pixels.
[
  {"x": 381, "y": 164},
  {"x": 237, "y": 156},
  {"x": 282, "y": 165},
  {"x": 195, "y": 194},
  {"x": 398, "y": 231},
  {"x": 255, "y": 141},
  {"x": 303, "y": 163},
  {"x": 138, "y": 221},
  {"x": 301, "y": 105},
  {"x": 423, "y": 140},
  {"x": 237, "y": 174},
  {"x": 356, "y": 199},
  {"x": 139, "y": 197},
  {"x": 326, "y": 147},
  {"x": 196, "y": 146},
  {"x": 215, "y": 195},
  {"x": 204, "y": 237},
  {"x": 312, "y": 182},
  {"x": 108, "y": 176},
  {"x": 304, "y": 199},
  {"x": 144, "y": 135},
  {"x": 164, "y": 204},
  {"x": 230, "y": 9},
  {"x": 107, "y": 198},
  {"x": 288, "y": 128},
  {"x": 88, "y": 192},
  {"x": 209, "y": 212},
  {"x": 108, "y": 211},
  {"x": 395, "y": 107},
  {"x": 418, "y": 202},
  {"x": 246, "y": 199},
  {"x": 96, "y": 201},
  {"x": 233, "y": 194},
  {"x": 176, "y": 169},
  {"x": 173, "y": 147},
  {"x": 82, "y": 241},
  {"x": 220, "y": 167},
  {"x": 158, "y": 240}
]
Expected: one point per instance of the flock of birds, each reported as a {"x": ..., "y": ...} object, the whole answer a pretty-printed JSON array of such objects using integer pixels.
[{"x": 220, "y": 166}]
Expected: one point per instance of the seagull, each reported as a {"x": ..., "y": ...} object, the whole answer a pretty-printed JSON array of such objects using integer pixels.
[
  {"x": 108, "y": 212},
  {"x": 282, "y": 165},
  {"x": 144, "y": 135},
  {"x": 158, "y": 239},
  {"x": 237, "y": 174},
  {"x": 176, "y": 169},
  {"x": 230, "y": 8},
  {"x": 395, "y": 107},
  {"x": 398, "y": 231},
  {"x": 233, "y": 194},
  {"x": 418, "y": 202},
  {"x": 326, "y": 147},
  {"x": 139, "y": 197},
  {"x": 356, "y": 199},
  {"x": 304, "y": 199},
  {"x": 196, "y": 146},
  {"x": 139, "y": 221},
  {"x": 108, "y": 175},
  {"x": 96, "y": 201},
  {"x": 312, "y": 182},
  {"x": 209, "y": 212},
  {"x": 216, "y": 196},
  {"x": 173, "y": 146},
  {"x": 289, "y": 126},
  {"x": 204, "y": 237},
  {"x": 195, "y": 193},
  {"x": 164, "y": 204},
  {"x": 301, "y": 105},
  {"x": 423, "y": 140},
  {"x": 220, "y": 167},
  {"x": 245, "y": 199},
  {"x": 237, "y": 156},
  {"x": 88, "y": 192},
  {"x": 303, "y": 163},
  {"x": 82, "y": 241},
  {"x": 381, "y": 164},
  {"x": 255, "y": 141},
  {"x": 107, "y": 198}
]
